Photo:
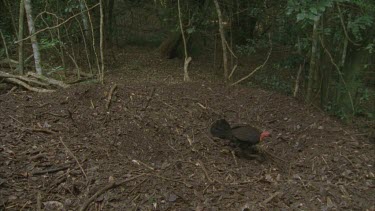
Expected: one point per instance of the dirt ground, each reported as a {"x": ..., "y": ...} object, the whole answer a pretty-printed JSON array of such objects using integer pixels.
[{"x": 151, "y": 149}]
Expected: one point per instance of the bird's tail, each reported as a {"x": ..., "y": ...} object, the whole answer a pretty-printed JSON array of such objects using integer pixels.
[{"x": 221, "y": 129}]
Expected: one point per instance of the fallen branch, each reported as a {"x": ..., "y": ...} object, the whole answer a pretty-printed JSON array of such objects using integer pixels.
[
  {"x": 109, "y": 98},
  {"x": 28, "y": 87},
  {"x": 49, "y": 80},
  {"x": 21, "y": 77},
  {"x": 104, "y": 189}
]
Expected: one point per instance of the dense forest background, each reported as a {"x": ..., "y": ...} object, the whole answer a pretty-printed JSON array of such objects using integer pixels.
[{"x": 319, "y": 51}]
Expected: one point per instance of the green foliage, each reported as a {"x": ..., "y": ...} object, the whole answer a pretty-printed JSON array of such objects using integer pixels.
[
  {"x": 251, "y": 46},
  {"x": 276, "y": 83},
  {"x": 366, "y": 99},
  {"x": 291, "y": 62},
  {"x": 339, "y": 19},
  {"x": 371, "y": 47},
  {"x": 359, "y": 25},
  {"x": 55, "y": 70},
  {"x": 48, "y": 43},
  {"x": 309, "y": 9},
  {"x": 273, "y": 82}
]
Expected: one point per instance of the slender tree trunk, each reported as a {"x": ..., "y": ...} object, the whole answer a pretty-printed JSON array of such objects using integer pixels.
[
  {"x": 33, "y": 38},
  {"x": 20, "y": 36},
  {"x": 93, "y": 38},
  {"x": 84, "y": 18},
  {"x": 101, "y": 72},
  {"x": 187, "y": 58},
  {"x": 223, "y": 41},
  {"x": 313, "y": 61}
]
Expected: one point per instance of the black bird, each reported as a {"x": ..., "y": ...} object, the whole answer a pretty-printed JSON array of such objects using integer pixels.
[{"x": 244, "y": 135}]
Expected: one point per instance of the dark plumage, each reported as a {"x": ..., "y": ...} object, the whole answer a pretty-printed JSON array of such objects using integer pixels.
[
  {"x": 221, "y": 129},
  {"x": 245, "y": 135}
]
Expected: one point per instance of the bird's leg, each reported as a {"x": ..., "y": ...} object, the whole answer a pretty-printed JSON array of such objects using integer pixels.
[{"x": 234, "y": 157}]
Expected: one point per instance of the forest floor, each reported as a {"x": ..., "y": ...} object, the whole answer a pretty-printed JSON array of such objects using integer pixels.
[{"x": 152, "y": 150}]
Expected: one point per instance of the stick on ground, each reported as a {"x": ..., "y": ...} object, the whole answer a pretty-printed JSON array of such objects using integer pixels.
[{"x": 109, "y": 98}]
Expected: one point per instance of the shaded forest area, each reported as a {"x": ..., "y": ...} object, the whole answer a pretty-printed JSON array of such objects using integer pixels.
[{"x": 107, "y": 105}]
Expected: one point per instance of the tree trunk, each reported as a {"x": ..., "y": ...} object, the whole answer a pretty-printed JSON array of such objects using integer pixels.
[
  {"x": 33, "y": 38},
  {"x": 20, "y": 36},
  {"x": 313, "y": 63},
  {"x": 187, "y": 58},
  {"x": 84, "y": 19},
  {"x": 223, "y": 41},
  {"x": 101, "y": 72}
]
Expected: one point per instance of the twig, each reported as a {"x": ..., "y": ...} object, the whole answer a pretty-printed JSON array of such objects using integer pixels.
[
  {"x": 104, "y": 189},
  {"x": 235, "y": 66},
  {"x": 234, "y": 157},
  {"x": 149, "y": 99},
  {"x": 205, "y": 171},
  {"x": 202, "y": 106},
  {"x": 38, "y": 156},
  {"x": 75, "y": 158},
  {"x": 39, "y": 201},
  {"x": 12, "y": 90},
  {"x": 144, "y": 164},
  {"x": 271, "y": 197},
  {"x": 234, "y": 69},
  {"x": 16, "y": 120},
  {"x": 58, "y": 181},
  {"x": 42, "y": 130},
  {"x": 109, "y": 98},
  {"x": 52, "y": 170}
]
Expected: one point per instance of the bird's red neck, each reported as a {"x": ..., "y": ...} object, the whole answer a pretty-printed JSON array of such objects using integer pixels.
[{"x": 264, "y": 134}]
